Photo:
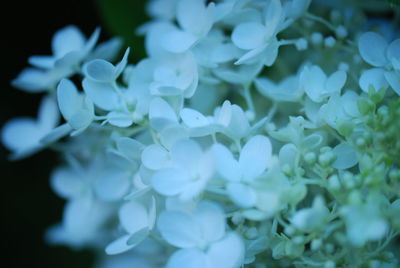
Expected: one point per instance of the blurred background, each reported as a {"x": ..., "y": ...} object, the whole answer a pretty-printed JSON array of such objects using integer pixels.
[{"x": 28, "y": 206}]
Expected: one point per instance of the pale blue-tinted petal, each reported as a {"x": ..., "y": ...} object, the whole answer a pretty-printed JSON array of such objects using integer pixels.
[
  {"x": 393, "y": 51},
  {"x": 107, "y": 50},
  {"x": 133, "y": 216},
  {"x": 112, "y": 185},
  {"x": 346, "y": 156},
  {"x": 120, "y": 119},
  {"x": 81, "y": 120},
  {"x": 68, "y": 98},
  {"x": 66, "y": 40},
  {"x": 187, "y": 154},
  {"x": 130, "y": 148},
  {"x": 122, "y": 64},
  {"x": 336, "y": 81},
  {"x": 289, "y": 154},
  {"x": 179, "y": 229},
  {"x": 155, "y": 157},
  {"x": 32, "y": 80},
  {"x": 99, "y": 70},
  {"x": 239, "y": 125},
  {"x": 56, "y": 134},
  {"x": 169, "y": 181},
  {"x": 393, "y": 78},
  {"x": 225, "y": 164},
  {"x": 102, "y": 94},
  {"x": 242, "y": 195},
  {"x": 194, "y": 17},
  {"x": 255, "y": 157},
  {"x": 253, "y": 56},
  {"x": 226, "y": 253},
  {"x": 373, "y": 77},
  {"x": 21, "y": 133},
  {"x": 188, "y": 258},
  {"x": 211, "y": 219},
  {"x": 313, "y": 81},
  {"x": 249, "y": 35},
  {"x": 372, "y": 47},
  {"x": 171, "y": 134},
  {"x": 119, "y": 245},
  {"x": 272, "y": 16},
  {"x": 44, "y": 62},
  {"x": 48, "y": 115},
  {"x": 92, "y": 41},
  {"x": 67, "y": 183},
  {"x": 193, "y": 118},
  {"x": 177, "y": 41},
  {"x": 161, "y": 114}
]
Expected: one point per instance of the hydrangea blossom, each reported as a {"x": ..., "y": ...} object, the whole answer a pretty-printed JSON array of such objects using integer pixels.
[{"x": 222, "y": 147}]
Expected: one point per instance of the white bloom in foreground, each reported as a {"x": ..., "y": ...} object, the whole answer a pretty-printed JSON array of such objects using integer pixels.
[
  {"x": 202, "y": 237},
  {"x": 240, "y": 175},
  {"x": 137, "y": 220},
  {"x": 311, "y": 219},
  {"x": 318, "y": 86},
  {"x": 375, "y": 50},
  {"x": 186, "y": 169},
  {"x": 23, "y": 135}
]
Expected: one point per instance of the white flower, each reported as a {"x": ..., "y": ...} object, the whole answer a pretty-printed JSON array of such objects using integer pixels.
[
  {"x": 318, "y": 86},
  {"x": 311, "y": 219},
  {"x": 240, "y": 175},
  {"x": 195, "y": 20},
  {"x": 23, "y": 135},
  {"x": 183, "y": 172},
  {"x": 69, "y": 48},
  {"x": 375, "y": 50},
  {"x": 258, "y": 38},
  {"x": 137, "y": 220},
  {"x": 202, "y": 237}
]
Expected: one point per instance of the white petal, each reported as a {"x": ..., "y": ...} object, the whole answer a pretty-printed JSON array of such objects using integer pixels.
[
  {"x": 249, "y": 35},
  {"x": 336, "y": 81},
  {"x": 103, "y": 95},
  {"x": 66, "y": 183},
  {"x": 171, "y": 134},
  {"x": 122, "y": 64},
  {"x": 179, "y": 229},
  {"x": 44, "y": 62},
  {"x": 21, "y": 133},
  {"x": 239, "y": 124},
  {"x": 155, "y": 157},
  {"x": 373, "y": 77},
  {"x": 133, "y": 217},
  {"x": 107, "y": 50},
  {"x": 32, "y": 80},
  {"x": 130, "y": 148},
  {"x": 193, "y": 118},
  {"x": 255, "y": 157},
  {"x": 169, "y": 181},
  {"x": 289, "y": 154},
  {"x": 177, "y": 41},
  {"x": 68, "y": 98},
  {"x": 66, "y": 40},
  {"x": 393, "y": 51},
  {"x": 225, "y": 114},
  {"x": 346, "y": 156},
  {"x": 188, "y": 258},
  {"x": 194, "y": 17},
  {"x": 112, "y": 185},
  {"x": 186, "y": 154},
  {"x": 161, "y": 114},
  {"x": 48, "y": 115},
  {"x": 99, "y": 71},
  {"x": 273, "y": 16},
  {"x": 313, "y": 81},
  {"x": 393, "y": 78},
  {"x": 372, "y": 48},
  {"x": 227, "y": 253},
  {"x": 225, "y": 164},
  {"x": 242, "y": 195},
  {"x": 119, "y": 245},
  {"x": 211, "y": 219},
  {"x": 120, "y": 119}
]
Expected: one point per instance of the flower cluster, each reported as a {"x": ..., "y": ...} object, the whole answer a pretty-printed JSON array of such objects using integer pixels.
[{"x": 256, "y": 133}]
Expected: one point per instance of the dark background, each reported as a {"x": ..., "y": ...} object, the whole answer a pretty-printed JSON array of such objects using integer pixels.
[{"x": 28, "y": 205}]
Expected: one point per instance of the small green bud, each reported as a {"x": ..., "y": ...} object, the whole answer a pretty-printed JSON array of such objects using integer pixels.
[
  {"x": 251, "y": 233},
  {"x": 334, "y": 183},
  {"x": 237, "y": 219},
  {"x": 394, "y": 174},
  {"x": 289, "y": 230},
  {"x": 310, "y": 158},
  {"x": 355, "y": 198},
  {"x": 345, "y": 127},
  {"x": 298, "y": 239},
  {"x": 329, "y": 247},
  {"x": 287, "y": 170},
  {"x": 360, "y": 142},
  {"x": 326, "y": 159},
  {"x": 365, "y": 106},
  {"x": 316, "y": 244},
  {"x": 329, "y": 264}
]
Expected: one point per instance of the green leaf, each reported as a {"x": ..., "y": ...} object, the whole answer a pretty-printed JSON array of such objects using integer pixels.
[{"x": 121, "y": 18}]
